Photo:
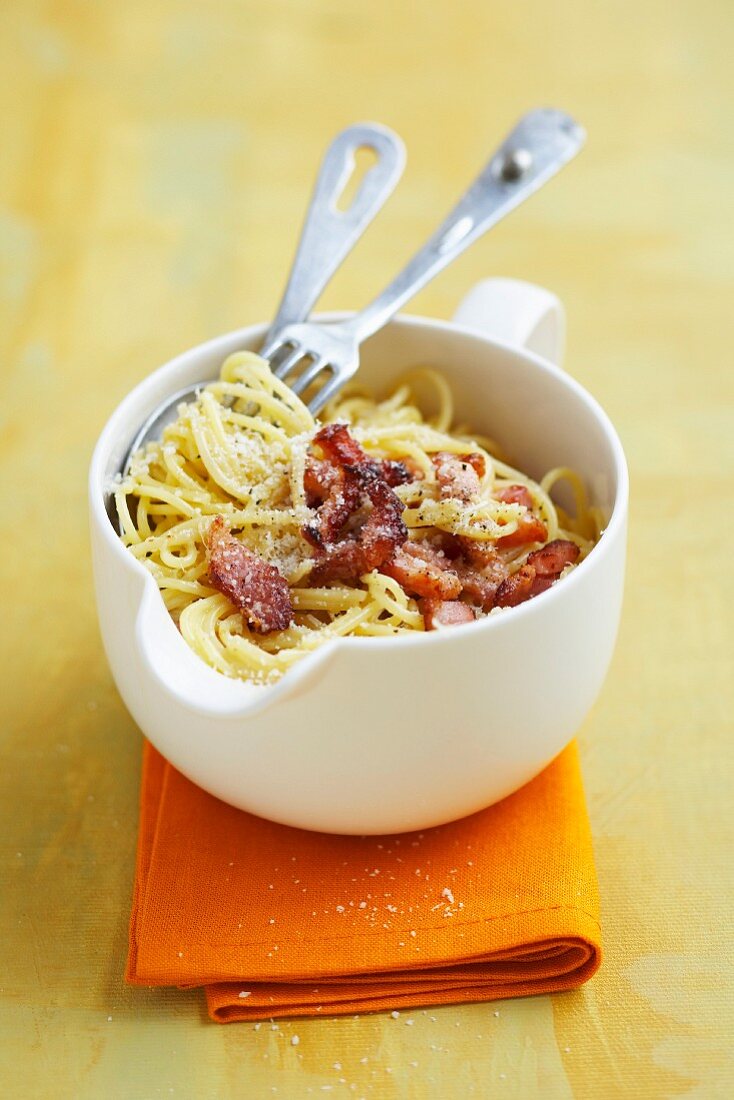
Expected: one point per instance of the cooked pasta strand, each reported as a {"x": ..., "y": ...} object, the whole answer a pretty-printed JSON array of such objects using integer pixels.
[{"x": 240, "y": 450}]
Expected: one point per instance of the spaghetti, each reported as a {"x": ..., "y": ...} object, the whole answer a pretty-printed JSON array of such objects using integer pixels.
[{"x": 244, "y": 451}]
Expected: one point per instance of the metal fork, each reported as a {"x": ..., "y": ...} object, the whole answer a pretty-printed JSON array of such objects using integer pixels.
[
  {"x": 327, "y": 237},
  {"x": 328, "y": 353}
]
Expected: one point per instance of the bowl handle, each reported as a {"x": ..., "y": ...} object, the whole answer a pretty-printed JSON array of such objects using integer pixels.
[{"x": 516, "y": 313}]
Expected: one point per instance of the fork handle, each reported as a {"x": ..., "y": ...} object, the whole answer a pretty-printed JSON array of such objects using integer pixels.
[
  {"x": 329, "y": 233},
  {"x": 542, "y": 142}
]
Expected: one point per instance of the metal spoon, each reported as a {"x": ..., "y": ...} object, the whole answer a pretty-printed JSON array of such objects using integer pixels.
[{"x": 327, "y": 237}]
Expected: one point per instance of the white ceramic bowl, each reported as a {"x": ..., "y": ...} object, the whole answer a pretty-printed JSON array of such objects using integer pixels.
[{"x": 373, "y": 735}]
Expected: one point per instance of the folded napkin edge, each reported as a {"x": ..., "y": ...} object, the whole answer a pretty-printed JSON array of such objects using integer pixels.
[
  {"x": 225, "y": 1004},
  {"x": 193, "y": 965}
]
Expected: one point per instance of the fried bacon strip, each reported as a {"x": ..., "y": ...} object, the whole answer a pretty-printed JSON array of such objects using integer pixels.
[
  {"x": 551, "y": 560},
  {"x": 320, "y": 477},
  {"x": 480, "y": 554},
  {"x": 396, "y": 472},
  {"x": 441, "y": 613},
  {"x": 480, "y": 582},
  {"x": 521, "y": 586},
  {"x": 423, "y": 571},
  {"x": 341, "y": 501},
  {"x": 478, "y": 566},
  {"x": 516, "y": 494},
  {"x": 542, "y": 568},
  {"x": 318, "y": 480},
  {"x": 259, "y": 590},
  {"x": 359, "y": 482},
  {"x": 458, "y": 475},
  {"x": 529, "y": 527}
]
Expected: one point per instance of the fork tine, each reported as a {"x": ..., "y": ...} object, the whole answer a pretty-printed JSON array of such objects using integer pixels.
[
  {"x": 326, "y": 392},
  {"x": 267, "y": 351},
  {"x": 289, "y": 362},
  {"x": 305, "y": 379}
]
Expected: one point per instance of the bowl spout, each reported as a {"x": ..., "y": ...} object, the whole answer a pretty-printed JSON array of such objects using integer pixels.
[{"x": 165, "y": 657}]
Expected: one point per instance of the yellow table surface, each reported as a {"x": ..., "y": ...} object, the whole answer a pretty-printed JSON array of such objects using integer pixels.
[{"x": 156, "y": 158}]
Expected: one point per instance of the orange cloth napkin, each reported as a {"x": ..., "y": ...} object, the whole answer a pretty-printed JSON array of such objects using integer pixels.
[{"x": 276, "y": 921}]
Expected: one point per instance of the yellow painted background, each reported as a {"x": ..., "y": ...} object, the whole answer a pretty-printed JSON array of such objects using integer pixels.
[{"x": 155, "y": 159}]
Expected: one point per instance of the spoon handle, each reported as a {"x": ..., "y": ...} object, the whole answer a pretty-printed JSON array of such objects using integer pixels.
[
  {"x": 542, "y": 142},
  {"x": 330, "y": 233}
]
